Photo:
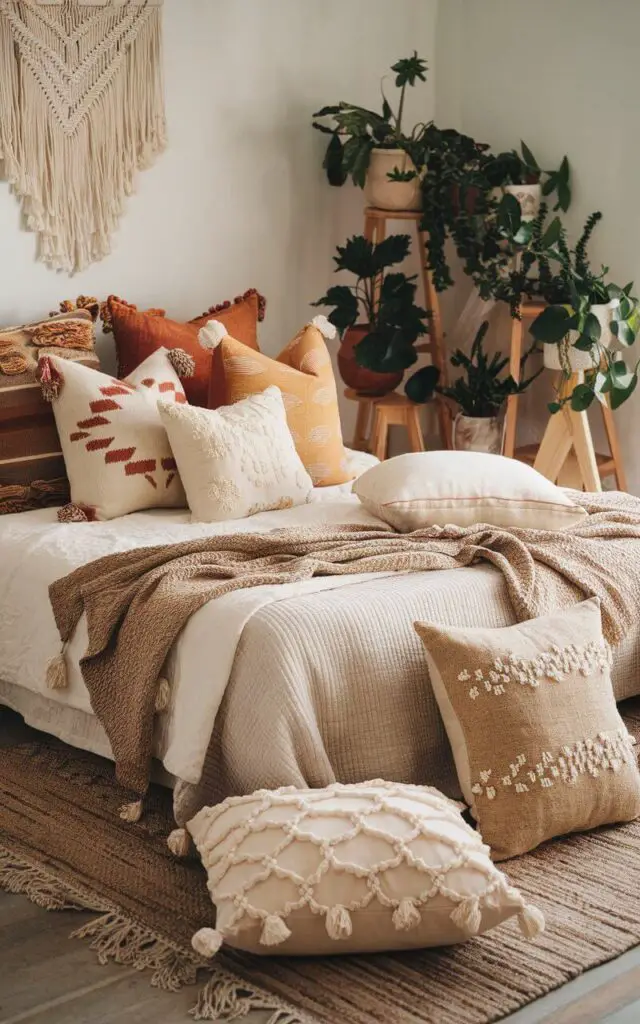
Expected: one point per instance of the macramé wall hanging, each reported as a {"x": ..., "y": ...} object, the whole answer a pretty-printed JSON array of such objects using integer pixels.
[{"x": 81, "y": 110}]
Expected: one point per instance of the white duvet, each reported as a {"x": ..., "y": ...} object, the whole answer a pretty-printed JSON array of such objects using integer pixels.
[{"x": 35, "y": 550}]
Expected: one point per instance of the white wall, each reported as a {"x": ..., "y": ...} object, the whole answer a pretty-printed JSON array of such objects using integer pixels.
[
  {"x": 239, "y": 199},
  {"x": 563, "y": 75}
]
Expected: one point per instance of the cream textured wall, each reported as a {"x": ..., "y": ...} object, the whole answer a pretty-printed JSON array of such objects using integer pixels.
[
  {"x": 563, "y": 75},
  {"x": 239, "y": 198}
]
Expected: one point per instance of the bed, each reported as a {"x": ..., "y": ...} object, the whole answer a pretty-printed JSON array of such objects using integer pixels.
[{"x": 249, "y": 669}]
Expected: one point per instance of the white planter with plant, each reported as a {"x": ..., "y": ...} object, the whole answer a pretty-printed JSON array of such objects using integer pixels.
[
  {"x": 372, "y": 148},
  {"x": 479, "y": 394},
  {"x": 565, "y": 356}
]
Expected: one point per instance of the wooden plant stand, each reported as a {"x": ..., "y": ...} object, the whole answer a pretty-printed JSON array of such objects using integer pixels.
[
  {"x": 376, "y": 415},
  {"x": 375, "y": 230},
  {"x": 566, "y": 454}
]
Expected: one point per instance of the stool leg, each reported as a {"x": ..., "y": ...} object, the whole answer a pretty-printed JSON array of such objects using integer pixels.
[
  {"x": 361, "y": 437},
  {"x": 380, "y": 434},
  {"x": 437, "y": 349},
  {"x": 614, "y": 447},
  {"x": 414, "y": 430},
  {"x": 511, "y": 425}
]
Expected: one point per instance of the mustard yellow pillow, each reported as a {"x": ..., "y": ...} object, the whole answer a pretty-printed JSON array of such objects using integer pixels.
[{"x": 304, "y": 375}]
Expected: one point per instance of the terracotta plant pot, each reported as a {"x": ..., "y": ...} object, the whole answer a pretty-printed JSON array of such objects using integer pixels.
[
  {"x": 579, "y": 361},
  {"x": 478, "y": 434},
  {"x": 391, "y": 195},
  {"x": 365, "y": 382}
]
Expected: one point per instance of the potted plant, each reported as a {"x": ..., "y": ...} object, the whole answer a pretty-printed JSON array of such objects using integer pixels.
[
  {"x": 585, "y": 317},
  {"x": 377, "y": 317},
  {"x": 373, "y": 149},
  {"x": 520, "y": 175},
  {"x": 479, "y": 395}
]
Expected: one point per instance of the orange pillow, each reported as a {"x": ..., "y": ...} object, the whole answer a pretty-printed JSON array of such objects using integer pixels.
[
  {"x": 139, "y": 333},
  {"x": 304, "y": 374}
]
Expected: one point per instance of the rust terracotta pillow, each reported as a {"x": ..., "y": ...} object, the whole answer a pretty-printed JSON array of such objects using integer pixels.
[
  {"x": 138, "y": 333},
  {"x": 304, "y": 375}
]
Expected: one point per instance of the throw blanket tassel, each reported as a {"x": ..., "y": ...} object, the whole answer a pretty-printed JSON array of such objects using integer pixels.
[
  {"x": 163, "y": 694},
  {"x": 132, "y": 812},
  {"x": 207, "y": 942},
  {"x": 57, "y": 677},
  {"x": 179, "y": 842}
]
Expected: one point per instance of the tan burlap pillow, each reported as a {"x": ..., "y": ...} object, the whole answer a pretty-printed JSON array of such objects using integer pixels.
[{"x": 538, "y": 743}]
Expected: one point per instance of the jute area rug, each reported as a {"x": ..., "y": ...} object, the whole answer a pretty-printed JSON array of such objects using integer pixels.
[{"x": 63, "y": 845}]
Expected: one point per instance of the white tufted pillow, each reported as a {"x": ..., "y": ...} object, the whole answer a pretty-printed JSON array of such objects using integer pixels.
[
  {"x": 422, "y": 489},
  {"x": 350, "y": 868},
  {"x": 236, "y": 460}
]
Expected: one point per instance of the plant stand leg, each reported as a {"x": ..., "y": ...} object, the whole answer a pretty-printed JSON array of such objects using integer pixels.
[
  {"x": 511, "y": 420},
  {"x": 414, "y": 430},
  {"x": 361, "y": 436},
  {"x": 380, "y": 433},
  {"x": 614, "y": 447},
  {"x": 565, "y": 431},
  {"x": 436, "y": 336},
  {"x": 570, "y": 475}
]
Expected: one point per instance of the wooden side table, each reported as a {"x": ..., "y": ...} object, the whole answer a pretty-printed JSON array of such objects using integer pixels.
[{"x": 376, "y": 415}]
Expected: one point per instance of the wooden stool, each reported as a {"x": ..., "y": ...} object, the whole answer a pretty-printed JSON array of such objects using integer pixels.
[
  {"x": 393, "y": 410},
  {"x": 566, "y": 454},
  {"x": 375, "y": 230}
]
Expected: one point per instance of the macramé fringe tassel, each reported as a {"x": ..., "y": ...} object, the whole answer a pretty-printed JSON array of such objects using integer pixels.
[
  {"x": 467, "y": 916},
  {"x": 132, "y": 812},
  {"x": 115, "y": 937},
  {"x": 57, "y": 676},
  {"x": 179, "y": 842},
  {"x": 163, "y": 695},
  {"x": 338, "y": 923},
  {"x": 406, "y": 915},
  {"x": 274, "y": 931}
]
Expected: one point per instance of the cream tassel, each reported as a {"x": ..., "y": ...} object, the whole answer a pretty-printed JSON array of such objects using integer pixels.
[
  {"x": 338, "y": 922},
  {"x": 406, "y": 915},
  {"x": 179, "y": 842},
  {"x": 163, "y": 694},
  {"x": 467, "y": 916},
  {"x": 531, "y": 921},
  {"x": 212, "y": 334},
  {"x": 57, "y": 677},
  {"x": 131, "y": 812},
  {"x": 324, "y": 325},
  {"x": 207, "y": 942},
  {"x": 274, "y": 931}
]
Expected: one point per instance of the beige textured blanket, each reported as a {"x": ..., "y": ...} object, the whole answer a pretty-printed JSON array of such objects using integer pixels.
[{"x": 137, "y": 602}]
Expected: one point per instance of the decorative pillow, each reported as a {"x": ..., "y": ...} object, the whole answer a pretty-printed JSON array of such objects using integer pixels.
[
  {"x": 32, "y": 472},
  {"x": 137, "y": 334},
  {"x": 115, "y": 448},
  {"x": 462, "y": 488},
  {"x": 539, "y": 746},
  {"x": 236, "y": 461},
  {"x": 349, "y": 869},
  {"x": 304, "y": 374}
]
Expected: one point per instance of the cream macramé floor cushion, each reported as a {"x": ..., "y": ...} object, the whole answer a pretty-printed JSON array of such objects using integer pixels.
[
  {"x": 425, "y": 489},
  {"x": 115, "y": 448},
  {"x": 350, "y": 868}
]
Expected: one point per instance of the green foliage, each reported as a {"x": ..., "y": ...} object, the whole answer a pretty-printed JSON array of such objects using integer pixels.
[
  {"x": 383, "y": 298},
  {"x": 480, "y": 390}
]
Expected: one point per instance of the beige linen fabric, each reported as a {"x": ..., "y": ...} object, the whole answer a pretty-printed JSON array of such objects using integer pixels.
[
  {"x": 423, "y": 489},
  {"x": 538, "y": 743}
]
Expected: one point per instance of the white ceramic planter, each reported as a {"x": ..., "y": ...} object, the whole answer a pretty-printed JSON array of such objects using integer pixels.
[
  {"x": 478, "y": 434},
  {"x": 580, "y": 361},
  {"x": 391, "y": 195},
  {"x": 529, "y": 197}
]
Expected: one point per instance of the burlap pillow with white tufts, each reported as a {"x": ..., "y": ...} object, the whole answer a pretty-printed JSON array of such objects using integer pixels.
[
  {"x": 349, "y": 869},
  {"x": 539, "y": 746}
]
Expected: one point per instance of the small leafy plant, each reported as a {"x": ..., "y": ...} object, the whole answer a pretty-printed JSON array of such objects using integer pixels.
[
  {"x": 480, "y": 391},
  {"x": 384, "y": 300},
  {"x": 573, "y": 292},
  {"x": 513, "y": 168},
  {"x": 356, "y": 131}
]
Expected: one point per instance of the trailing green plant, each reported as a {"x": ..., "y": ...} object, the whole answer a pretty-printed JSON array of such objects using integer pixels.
[
  {"x": 383, "y": 300},
  {"x": 356, "y": 131},
  {"x": 569, "y": 322},
  {"x": 480, "y": 390}
]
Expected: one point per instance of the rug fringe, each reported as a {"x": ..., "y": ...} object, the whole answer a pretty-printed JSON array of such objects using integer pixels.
[{"x": 115, "y": 937}]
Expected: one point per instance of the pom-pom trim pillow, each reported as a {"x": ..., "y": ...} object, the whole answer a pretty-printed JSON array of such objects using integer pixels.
[
  {"x": 445, "y": 488},
  {"x": 238, "y": 460},
  {"x": 116, "y": 451},
  {"x": 304, "y": 374},
  {"x": 350, "y": 868},
  {"x": 539, "y": 746}
]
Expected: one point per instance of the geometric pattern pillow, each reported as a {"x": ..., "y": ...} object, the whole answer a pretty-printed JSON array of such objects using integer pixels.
[
  {"x": 116, "y": 450},
  {"x": 358, "y": 868},
  {"x": 304, "y": 375},
  {"x": 539, "y": 746},
  {"x": 31, "y": 464}
]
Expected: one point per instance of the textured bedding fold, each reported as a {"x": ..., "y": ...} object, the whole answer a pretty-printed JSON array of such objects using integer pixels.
[{"x": 137, "y": 602}]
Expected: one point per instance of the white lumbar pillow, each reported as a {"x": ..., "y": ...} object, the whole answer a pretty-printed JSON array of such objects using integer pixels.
[
  {"x": 462, "y": 488},
  {"x": 236, "y": 460},
  {"x": 349, "y": 869}
]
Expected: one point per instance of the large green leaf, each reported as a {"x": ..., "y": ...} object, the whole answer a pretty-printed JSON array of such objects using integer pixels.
[
  {"x": 623, "y": 331},
  {"x": 409, "y": 69},
  {"x": 377, "y": 352},
  {"x": 333, "y": 162},
  {"x": 564, "y": 197},
  {"x": 356, "y": 256},
  {"x": 583, "y": 343},
  {"x": 422, "y": 384},
  {"x": 345, "y": 313},
  {"x": 581, "y": 398},
  {"x": 552, "y": 234},
  {"x": 552, "y": 324},
  {"x": 391, "y": 250},
  {"x": 509, "y": 214},
  {"x": 528, "y": 156},
  {"x": 592, "y": 327},
  {"x": 619, "y": 395}
]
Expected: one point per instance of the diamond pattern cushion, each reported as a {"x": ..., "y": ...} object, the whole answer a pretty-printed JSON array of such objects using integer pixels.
[{"x": 350, "y": 868}]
